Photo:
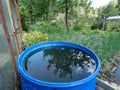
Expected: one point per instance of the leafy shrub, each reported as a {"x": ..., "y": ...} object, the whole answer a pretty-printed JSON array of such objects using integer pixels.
[
  {"x": 113, "y": 26},
  {"x": 78, "y": 27},
  {"x": 47, "y": 27},
  {"x": 95, "y": 25},
  {"x": 33, "y": 37}
]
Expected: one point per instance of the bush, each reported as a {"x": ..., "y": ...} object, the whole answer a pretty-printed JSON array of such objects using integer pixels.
[
  {"x": 95, "y": 25},
  {"x": 78, "y": 27},
  {"x": 113, "y": 26},
  {"x": 47, "y": 27},
  {"x": 33, "y": 37}
]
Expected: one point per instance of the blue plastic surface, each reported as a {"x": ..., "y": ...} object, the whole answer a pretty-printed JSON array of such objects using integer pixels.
[{"x": 30, "y": 83}]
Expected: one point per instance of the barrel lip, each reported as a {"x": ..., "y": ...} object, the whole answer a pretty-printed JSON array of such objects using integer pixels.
[{"x": 51, "y": 84}]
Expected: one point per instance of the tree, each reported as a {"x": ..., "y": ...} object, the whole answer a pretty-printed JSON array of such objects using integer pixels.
[
  {"x": 23, "y": 14},
  {"x": 67, "y": 2},
  {"x": 34, "y": 8},
  {"x": 118, "y": 6},
  {"x": 110, "y": 10},
  {"x": 45, "y": 9},
  {"x": 86, "y": 5},
  {"x": 66, "y": 7}
]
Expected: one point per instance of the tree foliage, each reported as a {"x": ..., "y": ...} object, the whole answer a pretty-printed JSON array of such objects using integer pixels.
[
  {"x": 35, "y": 8},
  {"x": 110, "y": 10},
  {"x": 49, "y": 9}
]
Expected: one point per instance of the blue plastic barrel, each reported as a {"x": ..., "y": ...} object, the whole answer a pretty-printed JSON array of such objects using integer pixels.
[{"x": 30, "y": 83}]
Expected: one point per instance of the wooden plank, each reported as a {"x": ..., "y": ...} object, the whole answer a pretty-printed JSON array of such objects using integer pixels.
[{"x": 104, "y": 85}]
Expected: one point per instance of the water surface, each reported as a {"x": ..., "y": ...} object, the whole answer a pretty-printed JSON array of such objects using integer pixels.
[{"x": 59, "y": 64}]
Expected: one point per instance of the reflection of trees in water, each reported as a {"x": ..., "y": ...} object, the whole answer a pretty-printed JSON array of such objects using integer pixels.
[
  {"x": 26, "y": 63},
  {"x": 65, "y": 58}
]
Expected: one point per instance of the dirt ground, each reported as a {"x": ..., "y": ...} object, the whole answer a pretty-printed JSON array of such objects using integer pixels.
[{"x": 110, "y": 74}]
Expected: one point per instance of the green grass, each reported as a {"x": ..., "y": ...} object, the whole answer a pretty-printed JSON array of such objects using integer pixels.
[{"x": 105, "y": 45}]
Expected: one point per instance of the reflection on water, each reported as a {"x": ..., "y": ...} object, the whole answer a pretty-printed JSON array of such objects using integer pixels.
[{"x": 59, "y": 64}]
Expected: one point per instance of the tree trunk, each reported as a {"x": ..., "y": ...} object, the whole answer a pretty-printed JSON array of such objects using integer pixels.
[
  {"x": 54, "y": 15},
  {"x": 47, "y": 10},
  {"x": 103, "y": 23},
  {"x": 29, "y": 20},
  {"x": 98, "y": 22},
  {"x": 46, "y": 16},
  {"x": 66, "y": 14}
]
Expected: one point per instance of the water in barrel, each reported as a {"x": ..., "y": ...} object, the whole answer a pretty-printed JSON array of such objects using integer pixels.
[{"x": 59, "y": 64}]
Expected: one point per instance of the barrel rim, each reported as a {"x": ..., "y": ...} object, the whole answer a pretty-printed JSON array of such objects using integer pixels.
[{"x": 52, "y": 84}]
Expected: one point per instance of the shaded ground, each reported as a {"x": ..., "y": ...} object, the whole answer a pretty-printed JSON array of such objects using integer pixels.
[
  {"x": 111, "y": 73},
  {"x": 7, "y": 75}
]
